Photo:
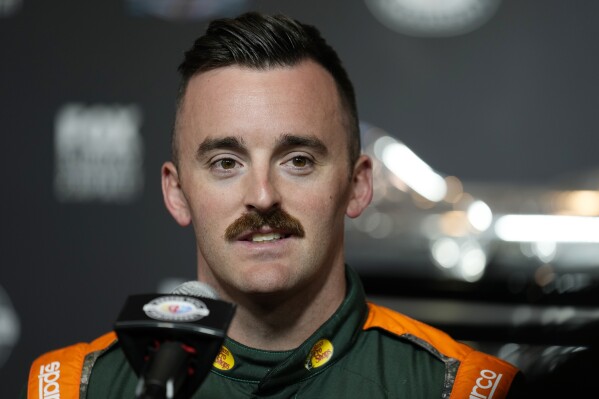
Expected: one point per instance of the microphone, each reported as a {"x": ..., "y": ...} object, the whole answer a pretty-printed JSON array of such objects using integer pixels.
[
  {"x": 195, "y": 288},
  {"x": 171, "y": 340}
]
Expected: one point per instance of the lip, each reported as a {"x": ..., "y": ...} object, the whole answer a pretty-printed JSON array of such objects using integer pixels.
[
  {"x": 263, "y": 250},
  {"x": 247, "y": 236}
]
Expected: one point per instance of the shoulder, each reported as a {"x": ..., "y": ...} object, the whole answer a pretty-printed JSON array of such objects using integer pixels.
[
  {"x": 65, "y": 371},
  {"x": 424, "y": 335},
  {"x": 469, "y": 372}
]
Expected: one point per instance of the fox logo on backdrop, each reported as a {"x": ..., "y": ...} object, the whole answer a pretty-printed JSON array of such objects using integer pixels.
[{"x": 98, "y": 153}]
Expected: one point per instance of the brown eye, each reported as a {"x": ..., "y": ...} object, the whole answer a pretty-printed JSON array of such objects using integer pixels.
[
  {"x": 299, "y": 162},
  {"x": 227, "y": 163}
]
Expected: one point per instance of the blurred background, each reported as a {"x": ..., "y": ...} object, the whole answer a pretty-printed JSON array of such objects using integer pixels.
[{"x": 481, "y": 117}]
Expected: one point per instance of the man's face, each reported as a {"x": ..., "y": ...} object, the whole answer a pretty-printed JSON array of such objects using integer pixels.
[{"x": 256, "y": 141}]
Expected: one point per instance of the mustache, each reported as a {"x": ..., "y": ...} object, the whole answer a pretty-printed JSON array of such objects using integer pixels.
[{"x": 276, "y": 219}]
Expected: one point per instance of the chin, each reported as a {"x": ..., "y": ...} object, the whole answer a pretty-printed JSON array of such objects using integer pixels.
[{"x": 265, "y": 279}]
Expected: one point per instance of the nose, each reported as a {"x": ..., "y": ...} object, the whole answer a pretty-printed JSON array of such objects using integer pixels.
[{"x": 262, "y": 191}]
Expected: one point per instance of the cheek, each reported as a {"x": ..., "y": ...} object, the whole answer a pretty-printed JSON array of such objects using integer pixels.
[
  {"x": 321, "y": 208},
  {"x": 212, "y": 210}
]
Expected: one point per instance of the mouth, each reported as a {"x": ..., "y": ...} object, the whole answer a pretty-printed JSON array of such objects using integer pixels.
[{"x": 259, "y": 237}]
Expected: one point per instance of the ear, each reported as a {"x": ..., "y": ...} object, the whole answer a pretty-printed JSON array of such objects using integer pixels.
[
  {"x": 174, "y": 199},
  {"x": 361, "y": 187}
]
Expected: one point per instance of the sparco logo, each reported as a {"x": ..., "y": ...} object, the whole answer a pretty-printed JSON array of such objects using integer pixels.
[
  {"x": 485, "y": 385},
  {"x": 48, "y": 379}
]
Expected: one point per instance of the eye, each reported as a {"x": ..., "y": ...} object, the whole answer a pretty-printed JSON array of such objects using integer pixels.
[
  {"x": 300, "y": 162},
  {"x": 226, "y": 163}
]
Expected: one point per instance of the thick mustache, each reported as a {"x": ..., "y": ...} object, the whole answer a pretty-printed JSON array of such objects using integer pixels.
[{"x": 276, "y": 219}]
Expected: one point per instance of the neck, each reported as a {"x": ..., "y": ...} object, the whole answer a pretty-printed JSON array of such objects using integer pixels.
[{"x": 278, "y": 322}]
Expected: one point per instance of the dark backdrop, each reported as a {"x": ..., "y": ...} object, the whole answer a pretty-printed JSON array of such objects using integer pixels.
[{"x": 512, "y": 101}]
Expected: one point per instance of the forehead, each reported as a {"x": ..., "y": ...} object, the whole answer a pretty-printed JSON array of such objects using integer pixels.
[{"x": 238, "y": 101}]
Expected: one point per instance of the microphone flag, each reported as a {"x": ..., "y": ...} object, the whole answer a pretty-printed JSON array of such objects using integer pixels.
[{"x": 171, "y": 341}]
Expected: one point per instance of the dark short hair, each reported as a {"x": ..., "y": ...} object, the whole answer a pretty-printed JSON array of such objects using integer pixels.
[{"x": 261, "y": 41}]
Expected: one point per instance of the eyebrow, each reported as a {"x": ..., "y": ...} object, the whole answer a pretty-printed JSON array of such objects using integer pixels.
[
  {"x": 285, "y": 141},
  {"x": 291, "y": 140},
  {"x": 229, "y": 142}
]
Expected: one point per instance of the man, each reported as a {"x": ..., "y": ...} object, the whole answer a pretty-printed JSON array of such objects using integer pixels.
[{"x": 266, "y": 165}]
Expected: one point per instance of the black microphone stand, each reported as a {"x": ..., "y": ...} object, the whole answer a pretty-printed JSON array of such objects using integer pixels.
[
  {"x": 171, "y": 349},
  {"x": 164, "y": 373}
]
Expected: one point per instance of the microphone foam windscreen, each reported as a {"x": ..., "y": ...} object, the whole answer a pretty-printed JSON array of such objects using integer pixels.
[{"x": 195, "y": 288}]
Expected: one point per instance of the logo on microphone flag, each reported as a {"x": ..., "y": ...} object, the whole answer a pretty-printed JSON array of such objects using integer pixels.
[{"x": 176, "y": 308}]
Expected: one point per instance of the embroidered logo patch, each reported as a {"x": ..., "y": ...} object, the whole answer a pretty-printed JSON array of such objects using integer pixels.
[
  {"x": 320, "y": 354},
  {"x": 224, "y": 360}
]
